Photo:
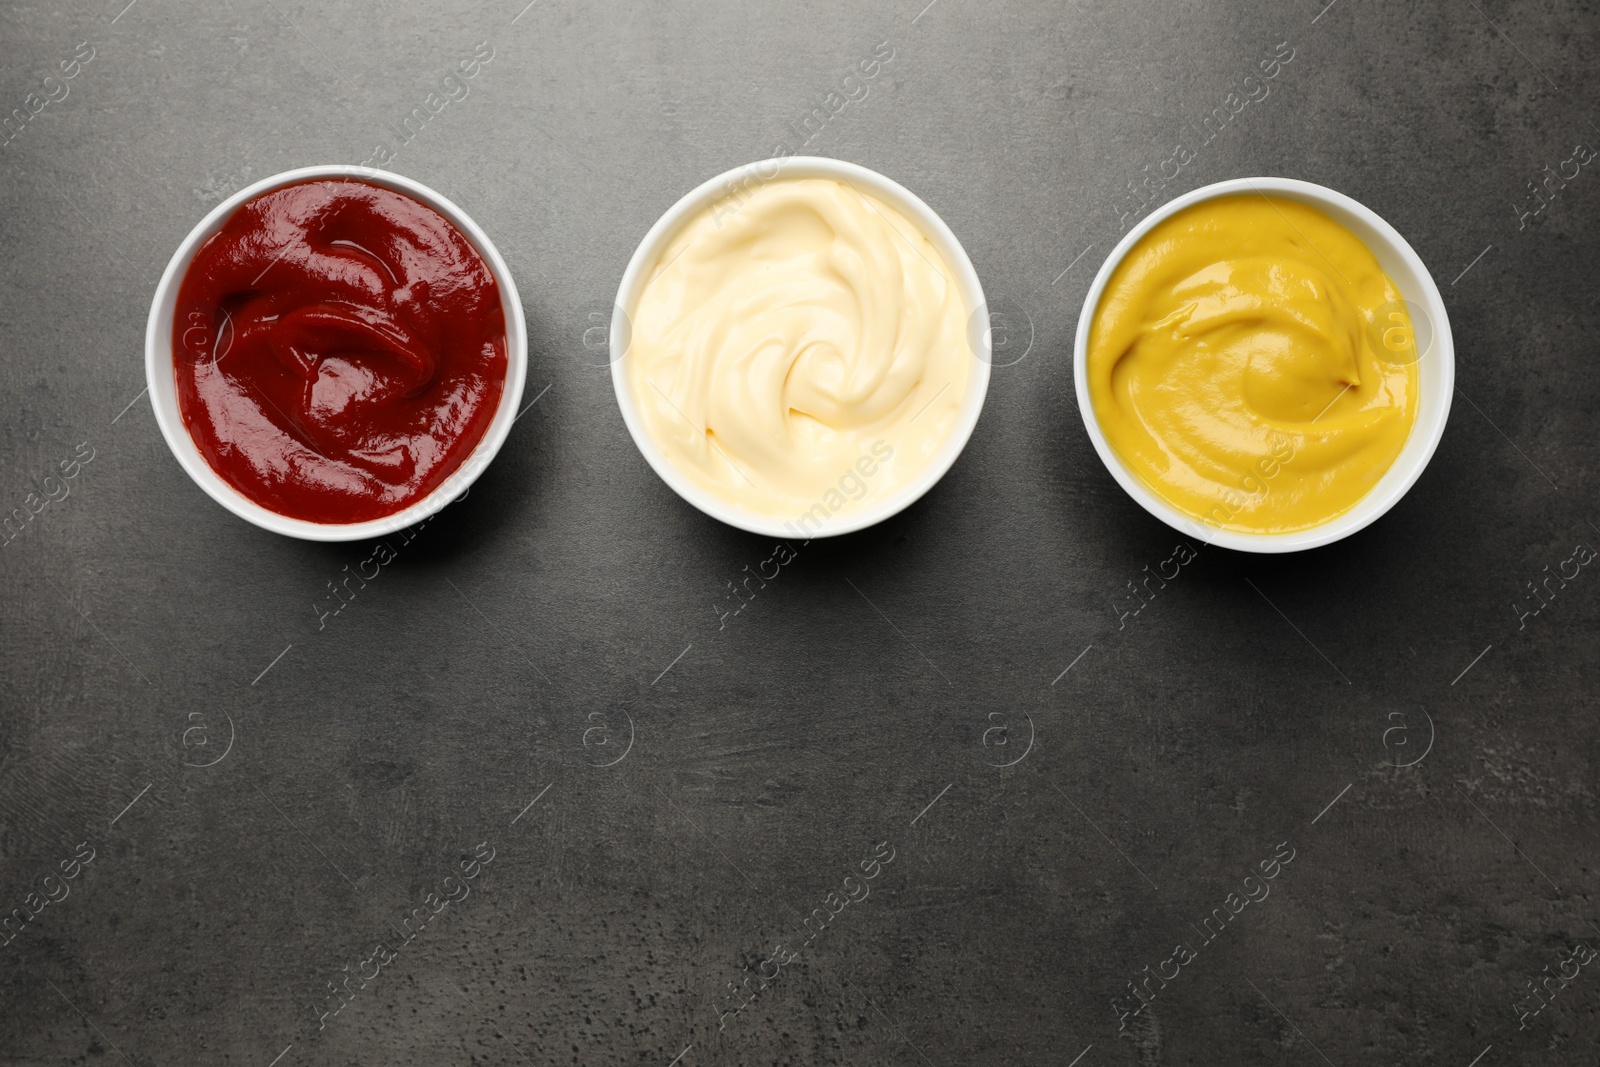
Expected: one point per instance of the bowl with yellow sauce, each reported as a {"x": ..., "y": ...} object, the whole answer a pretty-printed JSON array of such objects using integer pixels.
[
  {"x": 1265, "y": 364},
  {"x": 795, "y": 350}
]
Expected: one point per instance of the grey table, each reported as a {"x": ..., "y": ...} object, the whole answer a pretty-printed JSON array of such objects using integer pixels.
[{"x": 935, "y": 794}]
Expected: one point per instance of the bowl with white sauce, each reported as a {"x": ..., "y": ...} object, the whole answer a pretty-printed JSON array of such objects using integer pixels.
[{"x": 800, "y": 347}]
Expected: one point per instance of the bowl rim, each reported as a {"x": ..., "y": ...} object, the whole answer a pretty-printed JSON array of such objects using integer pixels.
[
  {"x": 161, "y": 382},
  {"x": 1410, "y": 463},
  {"x": 786, "y": 168}
]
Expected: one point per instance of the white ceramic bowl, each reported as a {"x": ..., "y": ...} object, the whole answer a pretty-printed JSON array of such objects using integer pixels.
[
  {"x": 1436, "y": 366},
  {"x": 865, "y": 181},
  {"x": 158, "y": 363}
]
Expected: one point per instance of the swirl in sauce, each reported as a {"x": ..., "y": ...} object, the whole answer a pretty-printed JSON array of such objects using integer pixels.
[
  {"x": 340, "y": 349},
  {"x": 802, "y": 346},
  {"x": 1252, "y": 364}
]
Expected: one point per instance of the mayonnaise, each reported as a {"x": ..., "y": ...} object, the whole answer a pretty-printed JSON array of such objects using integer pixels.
[
  {"x": 799, "y": 351},
  {"x": 1252, "y": 364}
]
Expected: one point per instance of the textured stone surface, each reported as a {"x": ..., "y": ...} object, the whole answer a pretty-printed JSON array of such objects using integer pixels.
[{"x": 508, "y": 649}]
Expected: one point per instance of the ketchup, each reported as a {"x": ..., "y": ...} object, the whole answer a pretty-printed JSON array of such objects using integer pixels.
[{"x": 339, "y": 349}]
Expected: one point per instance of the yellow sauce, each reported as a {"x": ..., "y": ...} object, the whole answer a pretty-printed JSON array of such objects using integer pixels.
[
  {"x": 1252, "y": 364},
  {"x": 800, "y": 350}
]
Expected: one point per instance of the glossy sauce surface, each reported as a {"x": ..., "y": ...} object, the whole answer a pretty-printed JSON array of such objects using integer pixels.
[
  {"x": 339, "y": 349},
  {"x": 800, "y": 349},
  {"x": 1250, "y": 362}
]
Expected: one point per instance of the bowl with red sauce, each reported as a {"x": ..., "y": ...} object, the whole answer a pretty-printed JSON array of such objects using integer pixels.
[{"x": 336, "y": 353}]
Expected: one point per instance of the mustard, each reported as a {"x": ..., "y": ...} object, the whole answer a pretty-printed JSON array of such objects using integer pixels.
[{"x": 1252, "y": 364}]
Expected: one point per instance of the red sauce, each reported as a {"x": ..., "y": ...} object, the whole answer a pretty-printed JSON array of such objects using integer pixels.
[{"x": 339, "y": 348}]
